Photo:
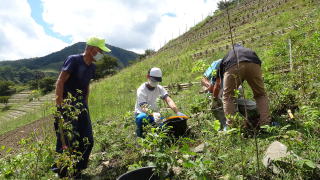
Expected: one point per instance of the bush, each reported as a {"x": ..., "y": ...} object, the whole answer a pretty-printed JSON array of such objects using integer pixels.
[
  {"x": 6, "y": 88},
  {"x": 47, "y": 84},
  {"x": 107, "y": 66},
  {"x": 4, "y": 100}
]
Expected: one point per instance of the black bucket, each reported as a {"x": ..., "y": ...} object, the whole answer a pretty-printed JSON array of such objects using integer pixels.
[
  {"x": 179, "y": 125},
  {"x": 243, "y": 104},
  {"x": 252, "y": 112},
  {"x": 145, "y": 173},
  {"x": 250, "y": 105}
]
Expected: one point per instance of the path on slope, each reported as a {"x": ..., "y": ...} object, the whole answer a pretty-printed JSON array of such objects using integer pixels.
[{"x": 11, "y": 139}]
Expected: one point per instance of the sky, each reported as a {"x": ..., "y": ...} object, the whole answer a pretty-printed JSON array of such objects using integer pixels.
[{"x": 35, "y": 28}]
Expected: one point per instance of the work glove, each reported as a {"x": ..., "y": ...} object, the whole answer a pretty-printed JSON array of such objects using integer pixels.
[
  {"x": 157, "y": 117},
  {"x": 180, "y": 114}
]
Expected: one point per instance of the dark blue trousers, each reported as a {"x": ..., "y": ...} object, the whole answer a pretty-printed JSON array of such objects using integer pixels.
[{"x": 82, "y": 136}]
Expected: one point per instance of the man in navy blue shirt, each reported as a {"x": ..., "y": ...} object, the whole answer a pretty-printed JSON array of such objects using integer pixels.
[{"x": 74, "y": 79}]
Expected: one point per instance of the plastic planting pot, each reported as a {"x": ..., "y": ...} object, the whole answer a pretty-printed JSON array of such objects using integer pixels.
[
  {"x": 253, "y": 115},
  {"x": 145, "y": 173},
  {"x": 178, "y": 124},
  {"x": 251, "y": 105}
]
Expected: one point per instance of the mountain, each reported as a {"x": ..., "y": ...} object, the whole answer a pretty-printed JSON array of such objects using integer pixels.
[{"x": 54, "y": 60}]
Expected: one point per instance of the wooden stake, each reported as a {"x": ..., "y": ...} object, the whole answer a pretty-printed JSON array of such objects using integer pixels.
[
  {"x": 290, "y": 114},
  {"x": 290, "y": 55}
]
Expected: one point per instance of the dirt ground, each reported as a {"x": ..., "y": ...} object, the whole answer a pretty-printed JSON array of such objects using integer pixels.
[{"x": 11, "y": 139}]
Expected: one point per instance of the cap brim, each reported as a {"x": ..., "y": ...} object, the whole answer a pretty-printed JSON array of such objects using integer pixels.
[
  {"x": 156, "y": 79},
  {"x": 105, "y": 49}
]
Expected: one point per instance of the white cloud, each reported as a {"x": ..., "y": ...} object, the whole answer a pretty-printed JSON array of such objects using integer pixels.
[
  {"x": 188, "y": 13},
  {"x": 134, "y": 25},
  {"x": 130, "y": 24},
  {"x": 20, "y": 35}
]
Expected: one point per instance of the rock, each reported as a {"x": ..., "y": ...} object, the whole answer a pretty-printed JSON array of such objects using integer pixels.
[
  {"x": 176, "y": 170},
  {"x": 99, "y": 169},
  {"x": 275, "y": 151},
  {"x": 200, "y": 148},
  {"x": 106, "y": 163}
]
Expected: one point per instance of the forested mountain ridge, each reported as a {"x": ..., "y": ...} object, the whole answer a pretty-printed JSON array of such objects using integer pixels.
[{"x": 24, "y": 70}]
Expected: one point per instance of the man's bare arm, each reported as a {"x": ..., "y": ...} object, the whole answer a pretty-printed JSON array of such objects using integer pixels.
[
  {"x": 171, "y": 104},
  {"x": 216, "y": 88}
]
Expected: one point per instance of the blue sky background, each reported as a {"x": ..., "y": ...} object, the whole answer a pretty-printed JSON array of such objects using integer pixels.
[
  {"x": 35, "y": 28},
  {"x": 36, "y": 14}
]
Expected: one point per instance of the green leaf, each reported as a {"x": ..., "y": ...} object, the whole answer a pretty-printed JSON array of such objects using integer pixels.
[
  {"x": 8, "y": 150},
  {"x": 310, "y": 164},
  {"x": 188, "y": 164},
  {"x": 216, "y": 125}
]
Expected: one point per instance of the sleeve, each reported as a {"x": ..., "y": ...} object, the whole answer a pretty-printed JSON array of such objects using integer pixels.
[
  {"x": 208, "y": 72},
  {"x": 93, "y": 71},
  {"x": 141, "y": 97},
  {"x": 220, "y": 71},
  {"x": 69, "y": 64},
  {"x": 163, "y": 92}
]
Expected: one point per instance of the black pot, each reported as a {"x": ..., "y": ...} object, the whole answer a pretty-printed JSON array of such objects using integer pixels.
[
  {"x": 145, "y": 173},
  {"x": 252, "y": 112},
  {"x": 179, "y": 125}
]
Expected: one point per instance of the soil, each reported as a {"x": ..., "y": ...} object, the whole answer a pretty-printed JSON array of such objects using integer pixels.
[{"x": 11, "y": 139}]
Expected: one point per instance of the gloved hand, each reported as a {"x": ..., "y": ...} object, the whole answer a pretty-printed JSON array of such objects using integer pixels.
[
  {"x": 156, "y": 117},
  {"x": 180, "y": 114}
]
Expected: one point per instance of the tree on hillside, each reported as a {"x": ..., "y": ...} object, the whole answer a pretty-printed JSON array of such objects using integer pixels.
[
  {"x": 33, "y": 84},
  {"x": 224, "y": 4},
  {"x": 47, "y": 84},
  {"x": 19, "y": 74},
  {"x": 108, "y": 65},
  {"x": 147, "y": 52},
  {"x": 4, "y": 100},
  {"x": 6, "y": 88}
]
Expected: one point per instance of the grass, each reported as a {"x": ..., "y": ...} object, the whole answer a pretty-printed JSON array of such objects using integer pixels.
[{"x": 11, "y": 124}]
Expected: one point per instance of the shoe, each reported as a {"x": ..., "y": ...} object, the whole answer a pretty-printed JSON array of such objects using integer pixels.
[
  {"x": 55, "y": 169},
  {"x": 77, "y": 175},
  {"x": 225, "y": 128},
  {"x": 63, "y": 173}
]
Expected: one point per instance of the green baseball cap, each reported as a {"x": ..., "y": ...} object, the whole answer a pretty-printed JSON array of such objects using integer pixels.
[{"x": 97, "y": 42}]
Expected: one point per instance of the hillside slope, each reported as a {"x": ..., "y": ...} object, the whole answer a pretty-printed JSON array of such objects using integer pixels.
[{"x": 262, "y": 25}]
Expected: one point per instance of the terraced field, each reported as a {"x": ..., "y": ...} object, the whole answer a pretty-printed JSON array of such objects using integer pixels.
[{"x": 20, "y": 107}]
